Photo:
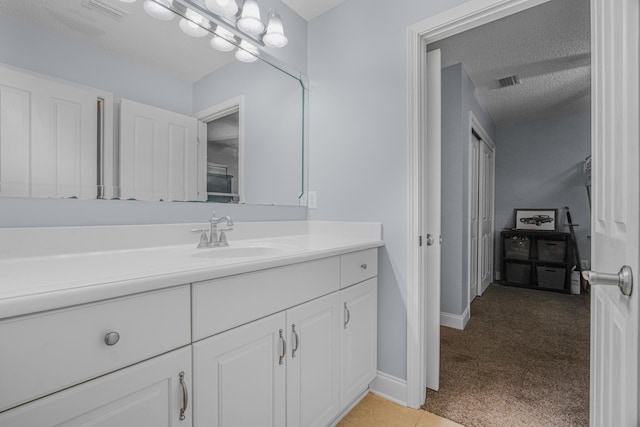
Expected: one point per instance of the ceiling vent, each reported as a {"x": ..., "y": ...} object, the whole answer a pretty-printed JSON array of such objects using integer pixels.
[
  {"x": 509, "y": 81},
  {"x": 105, "y": 8}
]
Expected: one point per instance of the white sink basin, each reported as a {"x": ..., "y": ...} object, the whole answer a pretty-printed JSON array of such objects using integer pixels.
[{"x": 239, "y": 252}]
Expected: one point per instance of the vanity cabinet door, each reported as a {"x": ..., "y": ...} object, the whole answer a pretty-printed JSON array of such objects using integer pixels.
[
  {"x": 359, "y": 339},
  {"x": 313, "y": 362},
  {"x": 239, "y": 376},
  {"x": 149, "y": 394}
]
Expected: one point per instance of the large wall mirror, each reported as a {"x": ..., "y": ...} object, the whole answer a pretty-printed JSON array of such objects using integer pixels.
[{"x": 100, "y": 100}]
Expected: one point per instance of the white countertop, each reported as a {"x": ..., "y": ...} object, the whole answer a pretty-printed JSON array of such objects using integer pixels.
[{"x": 30, "y": 284}]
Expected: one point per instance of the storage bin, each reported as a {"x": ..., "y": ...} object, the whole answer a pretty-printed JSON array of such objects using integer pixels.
[
  {"x": 551, "y": 277},
  {"x": 552, "y": 250},
  {"x": 516, "y": 247},
  {"x": 519, "y": 274}
]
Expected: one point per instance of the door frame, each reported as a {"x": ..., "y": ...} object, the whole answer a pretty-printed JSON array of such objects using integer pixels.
[
  {"x": 453, "y": 21},
  {"x": 475, "y": 125}
]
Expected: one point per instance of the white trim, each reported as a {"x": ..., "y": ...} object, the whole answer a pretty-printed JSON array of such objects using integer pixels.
[
  {"x": 390, "y": 388},
  {"x": 455, "y": 321},
  {"x": 225, "y": 107},
  {"x": 468, "y": 15}
]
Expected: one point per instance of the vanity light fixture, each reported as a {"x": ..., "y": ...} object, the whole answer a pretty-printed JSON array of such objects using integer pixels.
[
  {"x": 274, "y": 37},
  {"x": 220, "y": 40},
  {"x": 194, "y": 24},
  {"x": 235, "y": 27},
  {"x": 159, "y": 9},
  {"x": 226, "y": 8},
  {"x": 246, "y": 52},
  {"x": 249, "y": 21}
]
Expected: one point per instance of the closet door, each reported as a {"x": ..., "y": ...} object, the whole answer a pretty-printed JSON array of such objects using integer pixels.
[
  {"x": 48, "y": 136},
  {"x": 158, "y": 154}
]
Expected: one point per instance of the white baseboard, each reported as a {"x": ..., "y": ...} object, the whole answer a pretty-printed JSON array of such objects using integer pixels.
[
  {"x": 391, "y": 388},
  {"x": 456, "y": 321}
]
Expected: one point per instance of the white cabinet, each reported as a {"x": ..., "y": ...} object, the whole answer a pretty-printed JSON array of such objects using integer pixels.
[
  {"x": 313, "y": 363},
  {"x": 279, "y": 347},
  {"x": 49, "y": 351},
  {"x": 359, "y": 339},
  {"x": 240, "y": 377},
  {"x": 285, "y": 365},
  {"x": 149, "y": 394}
]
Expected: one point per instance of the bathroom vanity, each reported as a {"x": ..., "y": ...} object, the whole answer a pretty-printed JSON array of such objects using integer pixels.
[{"x": 276, "y": 330}]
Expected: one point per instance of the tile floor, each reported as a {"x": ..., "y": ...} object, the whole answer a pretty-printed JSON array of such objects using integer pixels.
[{"x": 374, "y": 411}]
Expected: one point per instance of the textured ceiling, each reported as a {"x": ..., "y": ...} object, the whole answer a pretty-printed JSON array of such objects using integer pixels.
[
  {"x": 310, "y": 9},
  {"x": 137, "y": 36},
  {"x": 547, "y": 46}
]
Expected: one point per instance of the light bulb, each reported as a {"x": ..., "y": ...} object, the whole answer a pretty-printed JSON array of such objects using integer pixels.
[
  {"x": 159, "y": 9},
  {"x": 246, "y": 52},
  {"x": 249, "y": 20},
  {"x": 222, "y": 7},
  {"x": 275, "y": 31},
  {"x": 220, "y": 40},
  {"x": 194, "y": 25}
]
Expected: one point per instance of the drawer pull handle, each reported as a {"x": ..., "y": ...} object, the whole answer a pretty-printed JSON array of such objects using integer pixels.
[
  {"x": 347, "y": 315},
  {"x": 112, "y": 338},
  {"x": 363, "y": 266},
  {"x": 284, "y": 349},
  {"x": 185, "y": 397},
  {"x": 295, "y": 335}
]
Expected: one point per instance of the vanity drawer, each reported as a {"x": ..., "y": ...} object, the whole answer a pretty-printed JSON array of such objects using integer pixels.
[
  {"x": 222, "y": 304},
  {"x": 49, "y": 351},
  {"x": 358, "y": 266}
]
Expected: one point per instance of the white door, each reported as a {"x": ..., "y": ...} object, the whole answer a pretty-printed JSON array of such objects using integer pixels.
[
  {"x": 486, "y": 194},
  {"x": 431, "y": 180},
  {"x": 158, "y": 154},
  {"x": 614, "y": 223},
  {"x": 48, "y": 137},
  {"x": 149, "y": 394},
  {"x": 313, "y": 362},
  {"x": 239, "y": 376},
  {"x": 358, "y": 339},
  {"x": 474, "y": 223}
]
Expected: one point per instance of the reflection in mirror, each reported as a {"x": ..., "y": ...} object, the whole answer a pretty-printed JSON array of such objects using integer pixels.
[
  {"x": 223, "y": 164},
  {"x": 155, "y": 83}
]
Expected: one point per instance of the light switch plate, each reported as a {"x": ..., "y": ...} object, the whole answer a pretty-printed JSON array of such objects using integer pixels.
[{"x": 312, "y": 200}]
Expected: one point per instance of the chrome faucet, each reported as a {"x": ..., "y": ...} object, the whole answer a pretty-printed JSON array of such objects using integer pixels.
[{"x": 216, "y": 238}]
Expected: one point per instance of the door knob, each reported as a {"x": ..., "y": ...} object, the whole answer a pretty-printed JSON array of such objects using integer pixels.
[
  {"x": 623, "y": 279},
  {"x": 430, "y": 240}
]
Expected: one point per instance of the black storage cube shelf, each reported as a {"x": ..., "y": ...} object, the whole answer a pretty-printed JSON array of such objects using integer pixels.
[{"x": 537, "y": 259}]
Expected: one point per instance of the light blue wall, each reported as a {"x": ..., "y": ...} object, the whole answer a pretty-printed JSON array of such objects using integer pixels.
[
  {"x": 358, "y": 139},
  {"x": 458, "y": 99},
  {"x": 539, "y": 164},
  {"x": 31, "y": 48}
]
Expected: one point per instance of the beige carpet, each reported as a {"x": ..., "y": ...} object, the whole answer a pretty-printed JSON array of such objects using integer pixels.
[{"x": 523, "y": 360}]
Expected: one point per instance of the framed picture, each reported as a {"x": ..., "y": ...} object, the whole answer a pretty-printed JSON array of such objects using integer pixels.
[{"x": 536, "y": 219}]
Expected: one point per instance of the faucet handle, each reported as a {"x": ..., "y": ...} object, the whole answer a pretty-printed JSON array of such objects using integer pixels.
[
  {"x": 204, "y": 239},
  {"x": 213, "y": 216}
]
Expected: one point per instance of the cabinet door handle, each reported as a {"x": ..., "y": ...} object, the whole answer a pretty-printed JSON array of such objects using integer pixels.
[
  {"x": 363, "y": 266},
  {"x": 284, "y": 348},
  {"x": 347, "y": 315},
  {"x": 295, "y": 335},
  {"x": 185, "y": 397}
]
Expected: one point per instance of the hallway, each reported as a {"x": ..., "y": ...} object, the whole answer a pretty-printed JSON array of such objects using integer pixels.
[{"x": 523, "y": 360}]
